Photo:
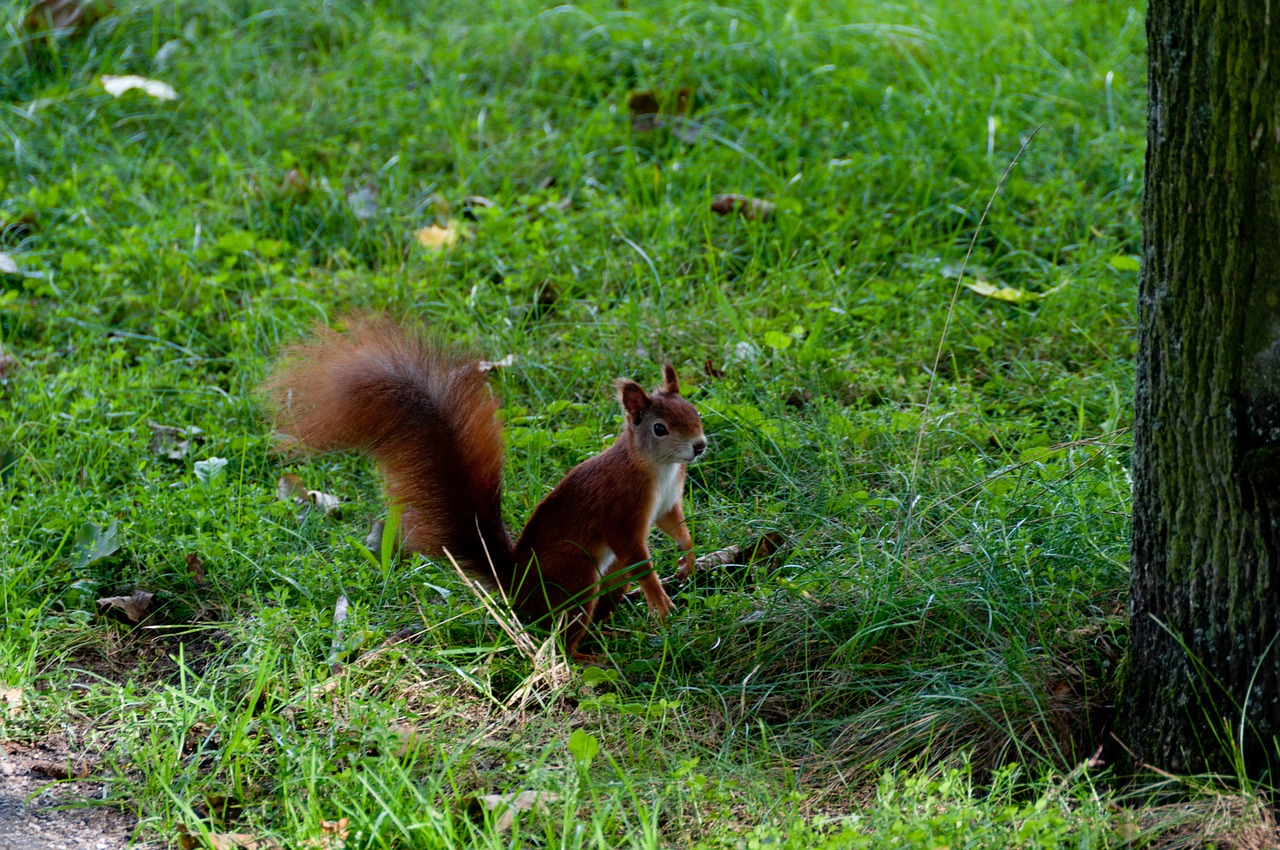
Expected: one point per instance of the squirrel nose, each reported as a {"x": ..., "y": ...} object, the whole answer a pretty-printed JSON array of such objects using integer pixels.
[{"x": 699, "y": 446}]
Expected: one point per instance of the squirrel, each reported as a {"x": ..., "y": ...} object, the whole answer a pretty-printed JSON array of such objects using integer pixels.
[{"x": 429, "y": 417}]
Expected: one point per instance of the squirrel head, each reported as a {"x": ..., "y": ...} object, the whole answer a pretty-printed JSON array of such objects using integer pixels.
[{"x": 664, "y": 427}]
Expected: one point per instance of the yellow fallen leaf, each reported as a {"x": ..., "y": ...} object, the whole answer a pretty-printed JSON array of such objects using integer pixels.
[
  {"x": 1002, "y": 293},
  {"x": 437, "y": 238},
  {"x": 117, "y": 86},
  {"x": 12, "y": 699}
]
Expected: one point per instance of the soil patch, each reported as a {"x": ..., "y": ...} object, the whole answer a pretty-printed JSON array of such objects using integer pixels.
[{"x": 38, "y": 812}]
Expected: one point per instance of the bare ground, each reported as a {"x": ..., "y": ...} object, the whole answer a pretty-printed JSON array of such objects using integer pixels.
[{"x": 39, "y": 811}]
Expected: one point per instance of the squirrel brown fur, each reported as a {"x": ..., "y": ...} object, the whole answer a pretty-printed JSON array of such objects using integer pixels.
[{"x": 429, "y": 417}]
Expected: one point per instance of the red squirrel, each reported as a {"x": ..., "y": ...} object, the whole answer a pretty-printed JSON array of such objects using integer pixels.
[{"x": 429, "y": 417}]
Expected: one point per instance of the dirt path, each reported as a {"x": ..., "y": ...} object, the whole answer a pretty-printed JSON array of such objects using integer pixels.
[{"x": 37, "y": 813}]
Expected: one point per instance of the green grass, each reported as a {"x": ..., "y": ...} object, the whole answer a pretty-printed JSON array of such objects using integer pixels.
[{"x": 929, "y": 656}]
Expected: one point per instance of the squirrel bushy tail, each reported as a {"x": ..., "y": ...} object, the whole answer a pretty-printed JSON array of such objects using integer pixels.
[{"x": 427, "y": 415}]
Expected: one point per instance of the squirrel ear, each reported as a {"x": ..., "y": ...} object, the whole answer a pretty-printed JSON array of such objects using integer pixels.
[
  {"x": 670, "y": 383},
  {"x": 635, "y": 401}
]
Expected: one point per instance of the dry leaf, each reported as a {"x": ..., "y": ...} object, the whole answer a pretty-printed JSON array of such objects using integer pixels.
[
  {"x": 373, "y": 540},
  {"x": 491, "y": 365},
  {"x": 295, "y": 182},
  {"x": 471, "y": 203},
  {"x": 239, "y": 841},
  {"x": 643, "y": 103},
  {"x": 407, "y": 739},
  {"x": 340, "y": 609},
  {"x": 290, "y": 488},
  {"x": 220, "y": 808},
  {"x": 61, "y": 769},
  {"x": 505, "y": 807},
  {"x": 1009, "y": 293},
  {"x": 64, "y": 14},
  {"x": 136, "y": 606},
  {"x": 799, "y": 398},
  {"x": 648, "y": 112},
  {"x": 757, "y": 550},
  {"x": 195, "y": 566},
  {"x": 173, "y": 443},
  {"x": 333, "y": 835},
  {"x": 117, "y": 86},
  {"x": 7, "y": 264},
  {"x": 12, "y": 699},
  {"x": 712, "y": 370},
  {"x": 1000, "y": 293},
  {"x": 747, "y": 207},
  {"x": 363, "y": 201},
  {"x": 326, "y": 503},
  {"x": 437, "y": 238}
]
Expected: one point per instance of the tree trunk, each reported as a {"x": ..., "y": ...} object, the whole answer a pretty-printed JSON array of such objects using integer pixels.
[{"x": 1202, "y": 681}]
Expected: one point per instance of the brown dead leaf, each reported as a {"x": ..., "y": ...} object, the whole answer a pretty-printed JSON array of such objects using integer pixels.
[
  {"x": 749, "y": 208},
  {"x": 71, "y": 15},
  {"x": 436, "y": 238},
  {"x": 61, "y": 769},
  {"x": 222, "y": 840},
  {"x": 136, "y": 606},
  {"x": 408, "y": 739},
  {"x": 12, "y": 699},
  {"x": 757, "y": 550},
  {"x": 195, "y": 566},
  {"x": 643, "y": 103},
  {"x": 18, "y": 226},
  {"x": 799, "y": 398},
  {"x": 219, "y": 808},
  {"x": 712, "y": 370},
  {"x": 198, "y": 736},
  {"x": 333, "y": 835},
  {"x": 295, "y": 183},
  {"x": 373, "y": 540},
  {"x": 649, "y": 110},
  {"x": 505, "y": 807},
  {"x": 291, "y": 488}
]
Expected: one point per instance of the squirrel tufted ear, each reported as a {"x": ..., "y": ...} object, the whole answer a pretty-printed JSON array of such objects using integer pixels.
[
  {"x": 635, "y": 401},
  {"x": 670, "y": 383}
]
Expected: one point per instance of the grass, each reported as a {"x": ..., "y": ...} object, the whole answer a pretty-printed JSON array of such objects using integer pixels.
[{"x": 928, "y": 657}]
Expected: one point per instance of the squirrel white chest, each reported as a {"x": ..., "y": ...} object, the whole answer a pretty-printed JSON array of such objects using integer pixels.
[{"x": 668, "y": 490}]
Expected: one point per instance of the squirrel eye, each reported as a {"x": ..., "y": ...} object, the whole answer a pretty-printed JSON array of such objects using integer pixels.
[{"x": 660, "y": 429}]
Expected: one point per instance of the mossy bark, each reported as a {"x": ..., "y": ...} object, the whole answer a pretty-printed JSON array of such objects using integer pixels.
[{"x": 1204, "y": 662}]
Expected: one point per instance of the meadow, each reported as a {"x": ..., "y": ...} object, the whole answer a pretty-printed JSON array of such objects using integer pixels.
[{"x": 912, "y": 347}]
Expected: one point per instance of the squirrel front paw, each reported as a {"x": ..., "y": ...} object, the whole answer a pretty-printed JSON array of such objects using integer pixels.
[
  {"x": 656, "y": 595},
  {"x": 687, "y": 565}
]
